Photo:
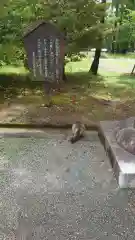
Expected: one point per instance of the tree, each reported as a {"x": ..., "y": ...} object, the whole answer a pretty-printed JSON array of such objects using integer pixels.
[
  {"x": 121, "y": 34},
  {"x": 79, "y": 19},
  {"x": 95, "y": 63}
]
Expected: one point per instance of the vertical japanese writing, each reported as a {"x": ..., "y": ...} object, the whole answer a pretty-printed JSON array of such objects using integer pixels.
[
  {"x": 34, "y": 63},
  {"x": 57, "y": 50},
  {"x": 51, "y": 59},
  {"x": 39, "y": 56},
  {"x": 45, "y": 59}
]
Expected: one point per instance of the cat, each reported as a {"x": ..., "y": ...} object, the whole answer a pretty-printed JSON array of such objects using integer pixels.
[
  {"x": 78, "y": 130},
  {"x": 125, "y": 137}
]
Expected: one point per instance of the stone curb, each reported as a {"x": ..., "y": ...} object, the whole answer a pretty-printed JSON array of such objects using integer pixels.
[{"x": 92, "y": 126}]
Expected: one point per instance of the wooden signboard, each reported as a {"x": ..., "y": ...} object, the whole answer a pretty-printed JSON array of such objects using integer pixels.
[{"x": 44, "y": 45}]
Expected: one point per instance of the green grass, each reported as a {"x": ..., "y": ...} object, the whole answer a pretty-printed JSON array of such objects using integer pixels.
[
  {"x": 80, "y": 66},
  {"x": 7, "y": 70},
  {"x": 82, "y": 85},
  {"x": 107, "y": 84}
]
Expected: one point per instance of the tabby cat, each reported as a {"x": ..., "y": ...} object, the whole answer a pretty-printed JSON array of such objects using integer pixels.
[{"x": 78, "y": 130}]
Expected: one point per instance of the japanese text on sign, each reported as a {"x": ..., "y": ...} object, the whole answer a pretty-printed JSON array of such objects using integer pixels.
[
  {"x": 57, "y": 47},
  {"x": 51, "y": 51},
  {"x": 39, "y": 56},
  {"x": 34, "y": 63},
  {"x": 45, "y": 59}
]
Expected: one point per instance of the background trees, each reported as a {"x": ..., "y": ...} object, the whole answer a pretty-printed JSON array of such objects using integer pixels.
[
  {"x": 81, "y": 20},
  {"x": 121, "y": 20}
]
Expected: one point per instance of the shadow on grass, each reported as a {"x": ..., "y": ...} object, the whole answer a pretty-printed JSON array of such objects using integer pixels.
[
  {"x": 88, "y": 86},
  {"x": 121, "y": 86},
  {"x": 79, "y": 83},
  {"x": 18, "y": 81},
  {"x": 83, "y": 78},
  {"x": 14, "y": 82},
  {"x": 87, "y": 89},
  {"x": 127, "y": 79}
]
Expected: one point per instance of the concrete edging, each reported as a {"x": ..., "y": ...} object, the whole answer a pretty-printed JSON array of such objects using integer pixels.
[{"x": 92, "y": 127}]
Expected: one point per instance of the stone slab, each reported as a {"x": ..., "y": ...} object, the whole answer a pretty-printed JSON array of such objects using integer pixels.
[
  {"x": 123, "y": 162},
  {"x": 53, "y": 190}
]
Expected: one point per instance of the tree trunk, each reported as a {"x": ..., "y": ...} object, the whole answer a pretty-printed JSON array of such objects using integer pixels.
[
  {"x": 115, "y": 46},
  {"x": 64, "y": 75},
  {"x": 95, "y": 63},
  {"x": 26, "y": 63}
]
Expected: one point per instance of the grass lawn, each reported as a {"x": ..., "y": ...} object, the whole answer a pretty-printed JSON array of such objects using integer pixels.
[
  {"x": 90, "y": 92},
  {"x": 108, "y": 84}
]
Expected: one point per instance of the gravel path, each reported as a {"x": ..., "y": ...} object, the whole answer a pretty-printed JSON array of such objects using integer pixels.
[
  {"x": 117, "y": 65},
  {"x": 52, "y": 190}
]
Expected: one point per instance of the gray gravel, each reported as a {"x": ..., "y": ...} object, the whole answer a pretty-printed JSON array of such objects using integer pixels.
[{"x": 50, "y": 189}]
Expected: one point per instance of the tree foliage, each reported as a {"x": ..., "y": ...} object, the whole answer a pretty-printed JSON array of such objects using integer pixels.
[
  {"x": 121, "y": 23},
  {"x": 78, "y": 19}
]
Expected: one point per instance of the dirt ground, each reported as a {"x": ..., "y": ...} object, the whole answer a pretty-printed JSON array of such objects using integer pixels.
[{"x": 62, "y": 115}]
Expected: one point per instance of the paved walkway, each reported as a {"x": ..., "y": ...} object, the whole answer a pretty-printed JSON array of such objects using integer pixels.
[
  {"x": 50, "y": 189},
  {"x": 118, "y": 65}
]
